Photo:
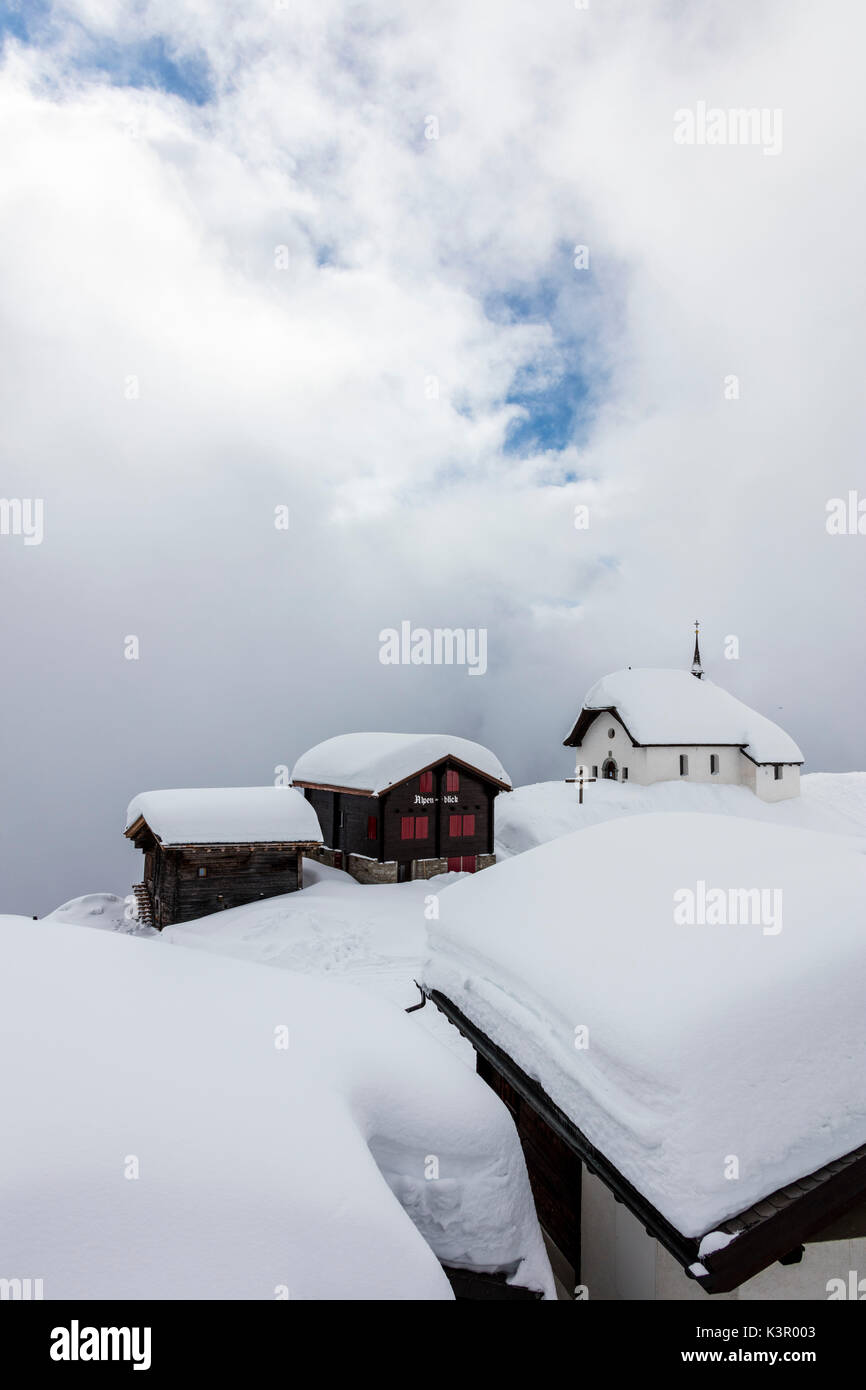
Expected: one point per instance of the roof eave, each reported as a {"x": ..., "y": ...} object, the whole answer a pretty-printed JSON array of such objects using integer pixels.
[
  {"x": 767, "y": 1230},
  {"x": 428, "y": 767}
]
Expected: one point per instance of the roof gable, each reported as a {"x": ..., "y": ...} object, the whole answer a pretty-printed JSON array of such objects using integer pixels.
[{"x": 373, "y": 763}]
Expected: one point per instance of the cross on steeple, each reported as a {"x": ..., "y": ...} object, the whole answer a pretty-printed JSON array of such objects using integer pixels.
[{"x": 697, "y": 668}]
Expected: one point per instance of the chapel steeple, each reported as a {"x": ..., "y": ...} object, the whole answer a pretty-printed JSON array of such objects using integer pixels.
[{"x": 697, "y": 668}]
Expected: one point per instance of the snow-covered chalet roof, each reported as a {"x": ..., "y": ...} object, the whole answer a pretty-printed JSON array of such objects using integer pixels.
[
  {"x": 226, "y": 816},
  {"x": 374, "y": 762},
  {"x": 674, "y": 707},
  {"x": 703, "y": 1040}
]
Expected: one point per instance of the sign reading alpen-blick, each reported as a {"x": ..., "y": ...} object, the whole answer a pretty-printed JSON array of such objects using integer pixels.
[
  {"x": 438, "y": 646},
  {"x": 77, "y": 1343}
]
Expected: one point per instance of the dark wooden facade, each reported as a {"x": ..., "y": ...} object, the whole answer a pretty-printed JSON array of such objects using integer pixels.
[
  {"x": 183, "y": 882},
  {"x": 441, "y": 813},
  {"x": 554, "y": 1172}
]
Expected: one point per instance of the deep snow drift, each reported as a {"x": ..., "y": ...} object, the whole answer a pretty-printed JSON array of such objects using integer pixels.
[
  {"x": 831, "y": 801},
  {"x": 161, "y": 1144},
  {"x": 705, "y": 1041}
]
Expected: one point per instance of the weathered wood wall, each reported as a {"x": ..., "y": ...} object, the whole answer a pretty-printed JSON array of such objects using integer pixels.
[
  {"x": 233, "y": 875},
  {"x": 554, "y": 1169}
]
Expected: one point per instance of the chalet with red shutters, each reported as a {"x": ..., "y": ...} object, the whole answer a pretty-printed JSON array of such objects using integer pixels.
[{"x": 393, "y": 807}]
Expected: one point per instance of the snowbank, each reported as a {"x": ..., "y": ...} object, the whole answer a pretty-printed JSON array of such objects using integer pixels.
[
  {"x": 374, "y": 762},
  {"x": 227, "y": 816},
  {"x": 166, "y": 1147},
  {"x": 834, "y": 802},
  {"x": 670, "y": 706},
  {"x": 704, "y": 1041},
  {"x": 104, "y": 911}
]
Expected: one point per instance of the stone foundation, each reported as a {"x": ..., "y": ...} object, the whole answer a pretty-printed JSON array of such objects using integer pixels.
[
  {"x": 366, "y": 870},
  {"x": 370, "y": 870}
]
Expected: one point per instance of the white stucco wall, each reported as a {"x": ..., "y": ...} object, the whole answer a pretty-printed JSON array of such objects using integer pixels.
[
  {"x": 764, "y": 784},
  {"x": 619, "y": 1261},
  {"x": 608, "y": 738}
]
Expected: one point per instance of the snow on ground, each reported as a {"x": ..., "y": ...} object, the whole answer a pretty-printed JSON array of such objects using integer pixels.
[
  {"x": 704, "y": 1040},
  {"x": 105, "y": 911},
  {"x": 166, "y": 1147},
  {"x": 831, "y": 801},
  {"x": 372, "y": 935}
]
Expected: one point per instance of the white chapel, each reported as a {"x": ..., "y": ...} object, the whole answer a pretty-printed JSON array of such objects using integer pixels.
[{"x": 649, "y": 726}]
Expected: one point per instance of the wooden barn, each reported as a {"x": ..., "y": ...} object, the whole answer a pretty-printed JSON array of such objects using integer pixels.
[
  {"x": 393, "y": 807},
  {"x": 210, "y": 848}
]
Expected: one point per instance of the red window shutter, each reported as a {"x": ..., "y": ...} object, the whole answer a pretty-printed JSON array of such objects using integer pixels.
[
  {"x": 455, "y": 824},
  {"x": 452, "y": 781},
  {"x": 468, "y": 863},
  {"x": 468, "y": 825},
  {"x": 407, "y": 827},
  {"x": 454, "y": 864},
  {"x": 372, "y": 828},
  {"x": 426, "y": 783},
  {"x": 421, "y": 827}
]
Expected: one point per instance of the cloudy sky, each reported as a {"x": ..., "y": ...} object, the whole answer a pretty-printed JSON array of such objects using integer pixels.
[{"x": 320, "y": 255}]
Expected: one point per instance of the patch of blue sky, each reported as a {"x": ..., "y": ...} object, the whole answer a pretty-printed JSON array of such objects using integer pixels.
[
  {"x": 553, "y": 417},
  {"x": 559, "y": 392},
  {"x": 143, "y": 63},
  {"x": 23, "y": 19},
  {"x": 150, "y": 63}
]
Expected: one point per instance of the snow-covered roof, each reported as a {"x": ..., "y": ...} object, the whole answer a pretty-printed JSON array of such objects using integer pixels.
[
  {"x": 674, "y": 707},
  {"x": 226, "y": 816},
  {"x": 374, "y": 762},
  {"x": 317, "y": 1138},
  {"x": 703, "y": 1041}
]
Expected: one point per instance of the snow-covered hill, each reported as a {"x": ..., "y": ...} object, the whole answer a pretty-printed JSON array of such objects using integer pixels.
[
  {"x": 281, "y": 1127},
  {"x": 834, "y": 802}
]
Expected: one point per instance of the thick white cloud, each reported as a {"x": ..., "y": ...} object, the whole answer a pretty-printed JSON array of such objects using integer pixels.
[{"x": 142, "y": 237}]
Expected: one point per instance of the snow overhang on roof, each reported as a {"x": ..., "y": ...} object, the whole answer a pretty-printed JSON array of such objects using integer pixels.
[
  {"x": 812, "y": 1208},
  {"x": 673, "y": 708},
  {"x": 373, "y": 763},
  {"x": 716, "y": 965},
  {"x": 225, "y": 816}
]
